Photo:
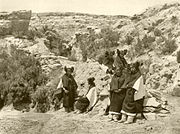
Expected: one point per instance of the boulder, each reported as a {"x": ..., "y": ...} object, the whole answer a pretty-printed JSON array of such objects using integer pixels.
[
  {"x": 39, "y": 48},
  {"x": 19, "y": 27}
]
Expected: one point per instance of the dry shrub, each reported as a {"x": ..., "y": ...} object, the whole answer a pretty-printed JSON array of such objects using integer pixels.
[
  {"x": 174, "y": 19},
  {"x": 72, "y": 58},
  {"x": 42, "y": 99},
  {"x": 157, "y": 32},
  {"x": 34, "y": 33},
  {"x": 20, "y": 74},
  {"x": 129, "y": 39},
  {"x": 169, "y": 46}
]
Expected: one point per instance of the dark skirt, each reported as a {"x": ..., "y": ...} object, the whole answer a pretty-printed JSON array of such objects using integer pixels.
[
  {"x": 139, "y": 105},
  {"x": 82, "y": 104},
  {"x": 116, "y": 101},
  {"x": 68, "y": 100},
  {"x": 131, "y": 106}
]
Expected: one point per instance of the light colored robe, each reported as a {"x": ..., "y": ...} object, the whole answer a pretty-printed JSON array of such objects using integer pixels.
[
  {"x": 60, "y": 85},
  {"x": 92, "y": 96},
  {"x": 140, "y": 89}
]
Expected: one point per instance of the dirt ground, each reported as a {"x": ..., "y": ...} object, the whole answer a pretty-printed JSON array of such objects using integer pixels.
[{"x": 15, "y": 122}]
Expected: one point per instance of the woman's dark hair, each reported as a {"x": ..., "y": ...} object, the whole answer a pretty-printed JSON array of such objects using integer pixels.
[
  {"x": 118, "y": 52},
  {"x": 106, "y": 53},
  {"x": 65, "y": 69},
  {"x": 125, "y": 51},
  {"x": 91, "y": 80},
  {"x": 112, "y": 53},
  {"x": 136, "y": 66}
]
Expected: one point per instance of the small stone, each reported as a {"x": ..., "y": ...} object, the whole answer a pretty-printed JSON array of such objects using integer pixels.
[
  {"x": 151, "y": 102},
  {"x": 162, "y": 115},
  {"x": 150, "y": 116}
]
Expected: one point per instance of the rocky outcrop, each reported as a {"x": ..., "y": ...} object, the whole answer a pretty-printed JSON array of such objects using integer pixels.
[
  {"x": 5, "y": 27},
  {"x": 15, "y": 23}
]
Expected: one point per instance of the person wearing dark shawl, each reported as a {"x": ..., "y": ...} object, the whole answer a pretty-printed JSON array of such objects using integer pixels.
[
  {"x": 108, "y": 61},
  {"x": 87, "y": 102},
  {"x": 69, "y": 87},
  {"x": 118, "y": 93},
  {"x": 120, "y": 61},
  {"x": 130, "y": 106}
]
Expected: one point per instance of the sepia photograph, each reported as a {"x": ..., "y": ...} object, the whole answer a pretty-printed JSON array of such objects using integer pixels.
[{"x": 89, "y": 67}]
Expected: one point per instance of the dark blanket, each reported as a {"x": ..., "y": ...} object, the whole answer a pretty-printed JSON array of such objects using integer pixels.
[
  {"x": 120, "y": 62},
  {"x": 82, "y": 104},
  {"x": 117, "y": 93},
  {"x": 117, "y": 101},
  {"x": 117, "y": 82},
  {"x": 108, "y": 61},
  {"x": 131, "y": 106}
]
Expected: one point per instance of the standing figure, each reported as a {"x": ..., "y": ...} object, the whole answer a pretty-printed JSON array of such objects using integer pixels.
[
  {"x": 133, "y": 102},
  {"x": 120, "y": 61},
  {"x": 108, "y": 61},
  {"x": 118, "y": 93},
  {"x": 70, "y": 89}
]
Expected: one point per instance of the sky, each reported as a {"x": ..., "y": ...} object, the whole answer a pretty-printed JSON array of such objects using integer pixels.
[{"x": 104, "y": 7}]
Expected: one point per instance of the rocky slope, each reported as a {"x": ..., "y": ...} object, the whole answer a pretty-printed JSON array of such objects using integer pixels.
[
  {"x": 67, "y": 24},
  {"x": 153, "y": 27}
]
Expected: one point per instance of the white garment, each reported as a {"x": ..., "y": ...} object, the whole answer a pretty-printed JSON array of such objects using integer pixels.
[
  {"x": 60, "y": 85},
  {"x": 129, "y": 114},
  {"x": 92, "y": 97},
  {"x": 140, "y": 89},
  {"x": 104, "y": 68}
]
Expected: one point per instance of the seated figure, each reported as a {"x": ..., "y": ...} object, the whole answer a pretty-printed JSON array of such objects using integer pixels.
[{"x": 87, "y": 102}]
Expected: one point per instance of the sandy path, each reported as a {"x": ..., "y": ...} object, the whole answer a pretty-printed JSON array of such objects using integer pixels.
[{"x": 61, "y": 123}]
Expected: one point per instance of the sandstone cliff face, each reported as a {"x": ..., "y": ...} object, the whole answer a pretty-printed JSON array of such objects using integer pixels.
[{"x": 15, "y": 23}]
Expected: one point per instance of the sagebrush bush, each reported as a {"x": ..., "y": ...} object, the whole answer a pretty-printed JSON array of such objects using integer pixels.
[
  {"x": 147, "y": 41},
  {"x": 34, "y": 33},
  {"x": 57, "y": 43},
  {"x": 157, "y": 32},
  {"x": 129, "y": 39},
  {"x": 20, "y": 74},
  {"x": 72, "y": 58},
  {"x": 41, "y": 98},
  {"x": 138, "y": 47},
  {"x": 111, "y": 37},
  {"x": 91, "y": 43},
  {"x": 169, "y": 46},
  {"x": 174, "y": 19}
]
